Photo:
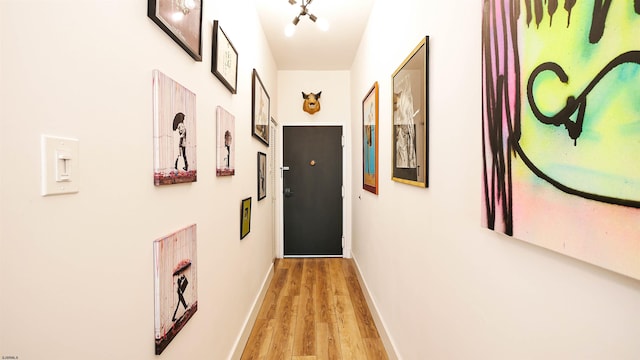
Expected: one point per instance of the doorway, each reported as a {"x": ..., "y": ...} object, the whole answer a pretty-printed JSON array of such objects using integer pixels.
[{"x": 312, "y": 191}]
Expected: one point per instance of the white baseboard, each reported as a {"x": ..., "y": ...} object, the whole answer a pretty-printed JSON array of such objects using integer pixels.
[
  {"x": 241, "y": 341},
  {"x": 388, "y": 343}
]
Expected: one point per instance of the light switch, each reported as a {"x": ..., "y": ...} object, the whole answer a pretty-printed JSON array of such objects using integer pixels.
[{"x": 60, "y": 165}]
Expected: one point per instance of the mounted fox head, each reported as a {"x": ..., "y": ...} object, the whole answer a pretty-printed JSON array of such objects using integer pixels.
[{"x": 311, "y": 102}]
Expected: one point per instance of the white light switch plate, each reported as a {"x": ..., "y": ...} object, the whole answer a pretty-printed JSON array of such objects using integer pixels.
[{"x": 60, "y": 165}]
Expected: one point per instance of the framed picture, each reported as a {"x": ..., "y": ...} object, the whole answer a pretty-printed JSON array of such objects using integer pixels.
[
  {"x": 245, "y": 218},
  {"x": 260, "y": 109},
  {"x": 182, "y": 21},
  {"x": 411, "y": 118},
  {"x": 224, "y": 61},
  {"x": 176, "y": 284},
  {"x": 262, "y": 175},
  {"x": 370, "y": 140},
  {"x": 226, "y": 148},
  {"x": 174, "y": 132}
]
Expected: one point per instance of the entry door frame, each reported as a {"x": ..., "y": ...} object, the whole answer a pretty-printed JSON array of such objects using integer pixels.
[{"x": 346, "y": 184}]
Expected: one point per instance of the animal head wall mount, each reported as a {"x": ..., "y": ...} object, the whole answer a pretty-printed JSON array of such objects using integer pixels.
[{"x": 311, "y": 102}]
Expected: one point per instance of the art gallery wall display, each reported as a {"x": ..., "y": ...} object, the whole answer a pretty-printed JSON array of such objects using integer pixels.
[
  {"x": 182, "y": 21},
  {"x": 560, "y": 127},
  {"x": 370, "y": 140},
  {"x": 262, "y": 175},
  {"x": 245, "y": 217},
  {"x": 176, "y": 284},
  {"x": 174, "y": 132},
  {"x": 224, "y": 61},
  {"x": 225, "y": 149},
  {"x": 410, "y": 129},
  {"x": 260, "y": 109}
]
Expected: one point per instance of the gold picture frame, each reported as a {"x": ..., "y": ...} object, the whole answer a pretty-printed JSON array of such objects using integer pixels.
[{"x": 410, "y": 125}]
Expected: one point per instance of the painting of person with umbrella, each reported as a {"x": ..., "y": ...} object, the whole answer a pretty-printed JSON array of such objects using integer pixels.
[
  {"x": 174, "y": 132},
  {"x": 178, "y": 125}
]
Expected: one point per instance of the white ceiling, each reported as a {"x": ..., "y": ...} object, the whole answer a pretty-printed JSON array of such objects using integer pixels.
[{"x": 310, "y": 48}]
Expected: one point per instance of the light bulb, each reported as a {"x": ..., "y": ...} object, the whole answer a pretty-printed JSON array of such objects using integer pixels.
[
  {"x": 323, "y": 24},
  {"x": 289, "y": 30}
]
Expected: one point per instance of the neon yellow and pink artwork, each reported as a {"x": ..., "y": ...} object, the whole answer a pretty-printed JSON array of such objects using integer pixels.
[{"x": 561, "y": 127}]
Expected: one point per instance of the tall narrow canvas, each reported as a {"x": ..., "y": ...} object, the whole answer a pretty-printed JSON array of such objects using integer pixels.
[
  {"x": 176, "y": 284},
  {"x": 561, "y": 127},
  {"x": 174, "y": 132},
  {"x": 226, "y": 148}
]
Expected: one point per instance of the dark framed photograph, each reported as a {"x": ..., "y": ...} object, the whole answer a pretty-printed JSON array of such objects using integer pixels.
[
  {"x": 260, "y": 109},
  {"x": 224, "y": 61},
  {"x": 411, "y": 118},
  {"x": 370, "y": 140},
  {"x": 182, "y": 21},
  {"x": 262, "y": 175},
  {"x": 245, "y": 218}
]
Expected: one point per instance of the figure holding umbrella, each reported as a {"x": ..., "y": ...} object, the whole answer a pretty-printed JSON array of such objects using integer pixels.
[{"x": 178, "y": 124}]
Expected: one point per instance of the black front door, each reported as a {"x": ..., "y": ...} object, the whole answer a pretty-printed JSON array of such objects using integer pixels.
[{"x": 312, "y": 190}]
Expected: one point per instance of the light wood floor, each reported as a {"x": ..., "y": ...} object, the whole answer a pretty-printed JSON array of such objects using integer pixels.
[{"x": 314, "y": 309}]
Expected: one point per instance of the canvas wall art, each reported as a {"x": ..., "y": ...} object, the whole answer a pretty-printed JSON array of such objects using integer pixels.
[
  {"x": 176, "y": 284},
  {"x": 561, "y": 122},
  {"x": 370, "y": 140},
  {"x": 174, "y": 131},
  {"x": 226, "y": 148},
  {"x": 411, "y": 118}
]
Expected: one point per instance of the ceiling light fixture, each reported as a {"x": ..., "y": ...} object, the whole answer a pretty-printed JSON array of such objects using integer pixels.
[{"x": 290, "y": 29}]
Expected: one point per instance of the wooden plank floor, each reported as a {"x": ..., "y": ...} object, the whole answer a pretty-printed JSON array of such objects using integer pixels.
[{"x": 314, "y": 309}]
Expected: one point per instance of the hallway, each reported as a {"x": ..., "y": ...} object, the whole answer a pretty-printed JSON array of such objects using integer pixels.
[{"x": 314, "y": 309}]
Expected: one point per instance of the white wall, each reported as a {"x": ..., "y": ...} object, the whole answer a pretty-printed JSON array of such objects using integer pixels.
[
  {"x": 77, "y": 270},
  {"x": 336, "y": 107},
  {"x": 445, "y": 287}
]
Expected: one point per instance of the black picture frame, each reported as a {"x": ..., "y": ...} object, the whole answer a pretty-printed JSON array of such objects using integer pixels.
[
  {"x": 410, "y": 124},
  {"x": 262, "y": 175},
  {"x": 182, "y": 21},
  {"x": 224, "y": 60},
  {"x": 245, "y": 218},
  {"x": 260, "y": 109}
]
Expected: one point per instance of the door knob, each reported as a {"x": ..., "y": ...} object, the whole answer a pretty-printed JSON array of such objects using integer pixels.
[{"x": 288, "y": 192}]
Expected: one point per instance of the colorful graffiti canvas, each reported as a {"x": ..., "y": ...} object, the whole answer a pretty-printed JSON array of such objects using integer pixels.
[
  {"x": 176, "y": 284},
  {"x": 561, "y": 126}
]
